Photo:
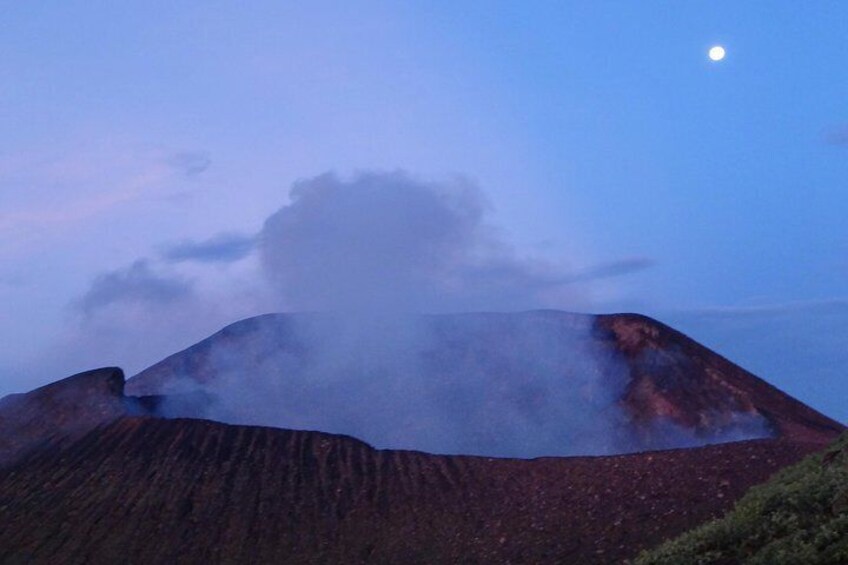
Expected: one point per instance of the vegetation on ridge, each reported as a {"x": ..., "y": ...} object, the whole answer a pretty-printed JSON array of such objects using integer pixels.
[{"x": 799, "y": 516}]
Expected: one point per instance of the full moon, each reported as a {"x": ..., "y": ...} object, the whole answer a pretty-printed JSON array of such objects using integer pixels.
[{"x": 717, "y": 53}]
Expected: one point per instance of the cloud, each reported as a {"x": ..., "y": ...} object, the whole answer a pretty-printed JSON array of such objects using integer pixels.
[
  {"x": 837, "y": 136},
  {"x": 391, "y": 241},
  {"x": 136, "y": 284},
  {"x": 47, "y": 194},
  {"x": 372, "y": 244},
  {"x": 135, "y": 316},
  {"x": 617, "y": 268},
  {"x": 190, "y": 163},
  {"x": 221, "y": 248}
]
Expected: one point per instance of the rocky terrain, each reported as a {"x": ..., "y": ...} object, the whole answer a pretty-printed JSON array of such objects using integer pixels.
[
  {"x": 798, "y": 516},
  {"x": 92, "y": 474},
  {"x": 675, "y": 377},
  {"x": 56, "y": 415},
  {"x": 143, "y": 490},
  {"x": 61, "y": 412}
]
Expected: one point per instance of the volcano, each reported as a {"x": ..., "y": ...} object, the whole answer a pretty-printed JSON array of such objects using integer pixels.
[
  {"x": 97, "y": 470},
  {"x": 542, "y": 383}
]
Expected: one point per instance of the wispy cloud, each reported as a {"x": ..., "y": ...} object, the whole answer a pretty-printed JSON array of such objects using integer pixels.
[
  {"x": 797, "y": 306},
  {"x": 138, "y": 284},
  {"x": 619, "y": 268},
  {"x": 190, "y": 163},
  {"x": 221, "y": 248},
  {"x": 73, "y": 212},
  {"x": 64, "y": 190}
]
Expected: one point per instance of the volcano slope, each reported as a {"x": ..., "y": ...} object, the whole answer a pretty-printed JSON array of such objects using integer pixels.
[
  {"x": 131, "y": 486},
  {"x": 542, "y": 383},
  {"x": 149, "y": 490}
]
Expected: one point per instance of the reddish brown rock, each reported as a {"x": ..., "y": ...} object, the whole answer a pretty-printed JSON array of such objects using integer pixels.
[
  {"x": 193, "y": 491},
  {"x": 674, "y": 377}
]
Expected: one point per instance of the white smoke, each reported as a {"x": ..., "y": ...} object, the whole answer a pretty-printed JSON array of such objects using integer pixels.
[
  {"x": 372, "y": 252},
  {"x": 367, "y": 256},
  {"x": 522, "y": 385},
  {"x": 387, "y": 242}
]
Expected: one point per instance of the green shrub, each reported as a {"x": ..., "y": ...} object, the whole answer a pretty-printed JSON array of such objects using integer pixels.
[{"x": 799, "y": 516}]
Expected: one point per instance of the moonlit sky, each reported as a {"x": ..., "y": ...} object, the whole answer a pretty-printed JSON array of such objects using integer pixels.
[{"x": 600, "y": 133}]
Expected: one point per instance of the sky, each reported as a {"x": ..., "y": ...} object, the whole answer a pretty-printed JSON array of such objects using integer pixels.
[{"x": 146, "y": 146}]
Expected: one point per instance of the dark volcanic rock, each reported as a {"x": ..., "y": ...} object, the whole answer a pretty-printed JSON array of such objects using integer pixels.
[
  {"x": 61, "y": 411},
  {"x": 192, "y": 491}
]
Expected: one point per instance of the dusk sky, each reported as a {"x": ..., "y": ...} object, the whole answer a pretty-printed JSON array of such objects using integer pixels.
[{"x": 608, "y": 162}]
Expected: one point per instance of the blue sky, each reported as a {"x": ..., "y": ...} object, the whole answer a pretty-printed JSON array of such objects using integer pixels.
[{"x": 599, "y": 133}]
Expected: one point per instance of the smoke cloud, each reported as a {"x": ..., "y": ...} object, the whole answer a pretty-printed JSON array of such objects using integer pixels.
[
  {"x": 526, "y": 384},
  {"x": 361, "y": 259},
  {"x": 390, "y": 242},
  {"x": 504, "y": 385}
]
